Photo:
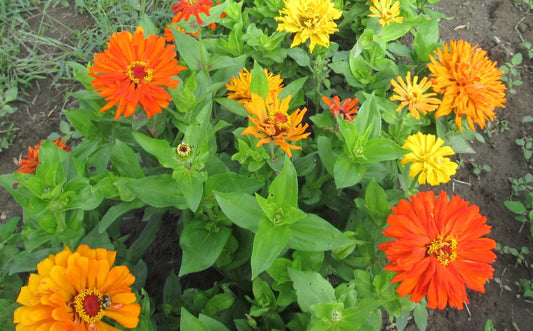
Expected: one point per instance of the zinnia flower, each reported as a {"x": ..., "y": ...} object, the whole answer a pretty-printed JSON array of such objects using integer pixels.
[
  {"x": 469, "y": 82},
  {"x": 75, "y": 291},
  {"x": 412, "y": 94},
  {"x": 346, "y": 110},
  {"x": 438, "y": 249},
  {"x": 386, "y": 11},
  {"x": 168, "y": 31},
  {"x": 428, "y": 159},
  {"x": 29, "y": 162},
  {"x": 239, "y": 87},
  {"x": 271, "y": 122},
  {"x": 309, "y": 19},
  {"x": 134, "y": 70},
  {"x": 185, "y": 8}
]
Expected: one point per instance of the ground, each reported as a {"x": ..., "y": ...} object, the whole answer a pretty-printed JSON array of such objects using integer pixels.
[{"x": 498, "y": 27}]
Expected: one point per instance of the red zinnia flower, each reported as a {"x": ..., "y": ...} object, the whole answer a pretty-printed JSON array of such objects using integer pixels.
[
  {"x": 346, "y": 110},
  {"x": 134, "y": 70},
  {"x": 185, "y": 8},
  {"x": 29, "y": 162},
  {"x": 438, "y": 249}
]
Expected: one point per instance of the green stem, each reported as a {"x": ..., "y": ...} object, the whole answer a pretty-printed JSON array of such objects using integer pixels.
[{"x": 202, "y": 55}]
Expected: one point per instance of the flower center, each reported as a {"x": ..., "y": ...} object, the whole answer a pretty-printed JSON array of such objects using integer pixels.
[
  {"x": 192, "y": 2},
  {"x": 88, "y": 305},
  {"x": 138, "y": 72},
  {"x": 443, "y": 249},
  {"x": 414, "y": 95},
  {"x": 280, "y": 120},
  {"x": 184, "y": 150}
]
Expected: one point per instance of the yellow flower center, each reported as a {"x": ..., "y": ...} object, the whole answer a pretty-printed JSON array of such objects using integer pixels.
[
  {"x": 414, "y": 95},
  {"x": 443, "y": 249},
  {"x": 138, "y": 72},
  {"x": 88, "y": 305},
  {"x": 310, "y": 19},
  {"x": 192, "y": 2}
]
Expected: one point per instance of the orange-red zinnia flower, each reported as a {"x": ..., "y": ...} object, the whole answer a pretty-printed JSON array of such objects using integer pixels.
[
  {"x": 185, "y": 8},
  {"x": 271, "y": 122},
  {"x": 346, "y": 110},
  {"x": 438, "y": 249},
  {"x": 469, "y": 82},
  {"x": 76, "y": 291},
  {"x": 29, "y": 162},
  {"x": 134, "y": 70}
]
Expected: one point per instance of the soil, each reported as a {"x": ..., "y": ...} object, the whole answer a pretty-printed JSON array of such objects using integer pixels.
[{"x": 496, "y": 26}]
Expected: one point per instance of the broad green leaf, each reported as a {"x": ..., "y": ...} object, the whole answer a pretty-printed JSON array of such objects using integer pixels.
[
  {"x": 84, "y": 121},
  {"x": 311, "y": 288},
  {"x": 368, "y": 116},
  {"x": 210, "y": 322},
  {"x": 426, "y": 39},
  {"x": 189, "y": 49},
  {"x": 313, "y": 233},
  {"x": 381, "y": 149},
  {"x": 116, "y": 211},
  {"x": 231, "y": 182},
  {"x": 148, "y": 26},
  {"x": 347, "y": 173},
  {"x": 159, "y": 191},
  {"x": 161, "y": 149},
  {"x": 84, "y": 195},
  {"x": 420, "y": 313},
  {"x": 270, "y": 240},
  {"x": 516, "y": 207},
  {"x": 145, "y": 239},
  {"x": 376, "y": 201},
  {"x": 233, "y": 106},
  {"x": 192, "y": 186},
  {"x": 284, "y": 188},
  {"x": 241, "y": 208},
  {"x": 189, "y": 322},
  {"x": 201, "y": 247},
  {"x": 172, "y": 289},
  {"x": 349, "y": 132},
  {"x": 326, "y": 154},
  {"x": 259, "y": 82},
  {"x": 124, "y": 161}
]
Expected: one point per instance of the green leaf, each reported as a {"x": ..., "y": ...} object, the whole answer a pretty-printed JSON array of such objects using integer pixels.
[
  {"x": 161, "y": 149},
  {"x": 159, "y": 191},
  {"x": 192, "y": 186},
  {"x": 124, "y": 161},
  {"x": 146, "y": 238},
  {"x": 189, "y": 322},
  {"x": 420, "y": 313},
  {"x": 376, "y": 201},
  {"x": 350, "y": 133},
  {"x": 84, "y": 195},
  {"x": 220, "y": 300},
  {"x": 233, "y": 106},
  {"x": 311, "y": 288},
  {"x": 300, "y": 56},
  {"x": 381, "y": 149},
  {"x": 116, "y": 211},
  {"x": 326, "y": 154},
  {"x": 201, "y": 247},
  {"x": 148, "y": 26},
  {"x": 346, "y": 172},
  {"x": 313, "y": 233},
  {"x": 231, "y": 182},
  {"x": 172, "y": 289},
  {"x": 269, "y": 242},
  {"x": 241, "y": 208},
  {"x": 426, "y": 39},
  {"x": 189, "y": 49},
  {"x": 516, "y": 207},
  {"x": 368, "y": 116},
  {"x": 284, "y": 188},
  {"x": 292, "y": 89},
  {"x": 259, "y": 82}
]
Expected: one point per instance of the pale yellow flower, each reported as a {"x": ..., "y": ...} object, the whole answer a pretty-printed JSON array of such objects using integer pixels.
[
  {"x": 309, "y": 19},
  {"x": 428, "y": 159},
  {"x": 386, "y": 11},
  {"x": 413, "y": 94}
]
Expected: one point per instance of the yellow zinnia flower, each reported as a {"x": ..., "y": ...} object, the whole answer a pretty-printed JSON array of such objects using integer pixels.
[
  {"x": 428, "y": 159},
  {"x": 412, "y": 94},
  {"x": 75, "y": 291},
  {"x": 309, "y": 19},
  {"x": 386, "y": 11},
  {"x": 239, "y": 87},
  {"x": 271, "y": 122},
  {"x": 469, "y": 82}
]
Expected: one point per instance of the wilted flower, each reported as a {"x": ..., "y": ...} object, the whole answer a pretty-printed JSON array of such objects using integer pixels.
[
  {"x": 412, "y": 94},
  {"x": 428, "y": 159},
  {"x": 309, "y": 19},
  {"x": 469, "y": 82},
  {"x": 135, "y": 70},
  {"x": 29, "y": 162},
  {"x": 239, "y": 87},
  {"x": 271, "y": 122},
  {"x": 75, "y": 291},
  {"x": 386, "y": 11},
  {"x": 438, "y": 249},
  {"x": 346, "y": 110}
]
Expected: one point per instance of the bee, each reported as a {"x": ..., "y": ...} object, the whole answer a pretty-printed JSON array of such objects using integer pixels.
[{"x": 106, "y": 301}]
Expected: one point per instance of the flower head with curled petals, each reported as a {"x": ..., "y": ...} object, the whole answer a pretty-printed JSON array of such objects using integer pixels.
[
  {"x": 413, "y": 94},
  {"x": 387, "y": 11},
  {"x": 78, "y": 291},
  {"x": 469, "y": 82},
  {"x": 134, "y": 70},
  {"x": 239, "y": 87},
  {"x": 438, "y": 249},
  {"x": 271, "y": 122},
  {"x": 347, "y": 110},
  {"x": 29, "y": 162},
  {"x": 427, "y": 158}
]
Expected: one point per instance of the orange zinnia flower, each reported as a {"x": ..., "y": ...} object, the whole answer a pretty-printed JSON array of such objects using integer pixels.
[
  {"x": 239, "y": 87},
  {"x": 412, "y": 94},
  {"x": 469, "y": 82},
  {"x": 29, "y": 162},
  {"x": 185, "y": 8},
  {"x": 438, "y": 249},
  {"x": 75, "y": 291},
  {"x": 346, "y": 110},
  {"x": 271, "y": 122},
  {"x": 134, "y": 70}
]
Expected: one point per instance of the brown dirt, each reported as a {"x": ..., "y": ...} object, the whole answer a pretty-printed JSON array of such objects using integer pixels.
[{"x": 498, "y": 27}]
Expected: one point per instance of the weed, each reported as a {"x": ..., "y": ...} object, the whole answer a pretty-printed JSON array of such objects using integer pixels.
[
  {"x": 511, "y": 75},
  {"x": 522, "y": 184},
  {"x": 496, "y": 126},
  {"x": 7, "y": 135},
  {"x": 478, "y": 169},
  {"x": 7, "y": 95},
  {"x": 520, "y": 256},
  {"x": 528, "y": 4},
  {"x": 526, "y": 144}
]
